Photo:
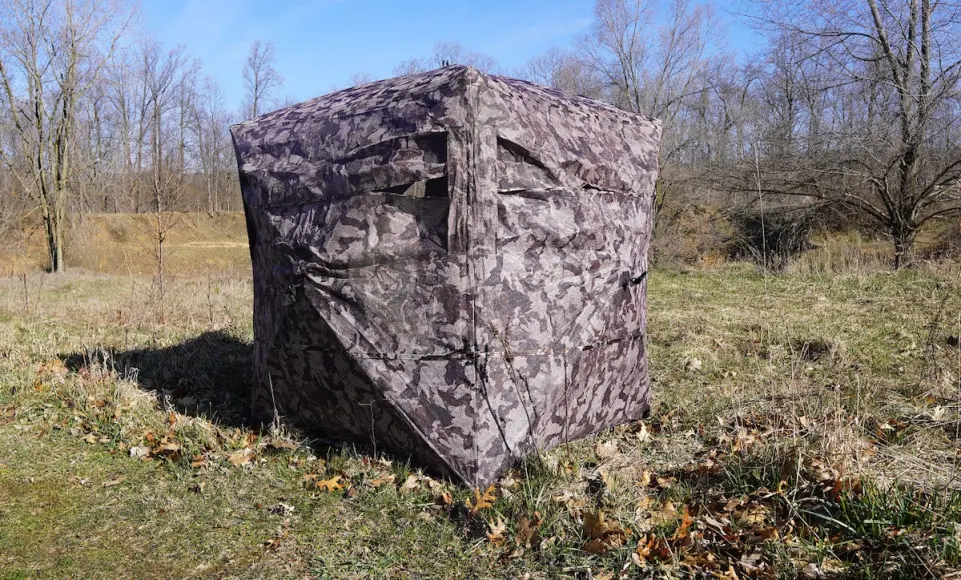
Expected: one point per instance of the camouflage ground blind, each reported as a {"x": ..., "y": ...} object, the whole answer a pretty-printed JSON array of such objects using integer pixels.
[{"x": 450, "y": 264}]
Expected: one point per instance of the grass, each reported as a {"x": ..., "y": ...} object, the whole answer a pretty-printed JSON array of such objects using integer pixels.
[
  {"x": 803, "y": 426},
  {"x": 125, "y": 244}
]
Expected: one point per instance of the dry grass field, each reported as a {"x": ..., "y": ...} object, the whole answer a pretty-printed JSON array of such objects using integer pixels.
[
  {"x": 804, "y": 425},
  {"x": 198, "y": 243}
]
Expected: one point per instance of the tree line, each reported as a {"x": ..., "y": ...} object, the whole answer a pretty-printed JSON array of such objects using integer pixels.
[{"x": 850, "y": 108}]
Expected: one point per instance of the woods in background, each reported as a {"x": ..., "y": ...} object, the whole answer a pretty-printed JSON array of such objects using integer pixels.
[
  {"x": 95, "y": 119},
  {"x": 849, "y": 111}
]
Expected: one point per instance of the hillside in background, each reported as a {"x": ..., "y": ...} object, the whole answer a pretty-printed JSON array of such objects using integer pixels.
[
  {"x": 687, "y": 234},
  {"x": 126, "y": 243}
]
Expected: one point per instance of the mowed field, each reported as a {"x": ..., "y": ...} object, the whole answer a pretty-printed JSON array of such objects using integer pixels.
[{"x": 803, "y": 426}]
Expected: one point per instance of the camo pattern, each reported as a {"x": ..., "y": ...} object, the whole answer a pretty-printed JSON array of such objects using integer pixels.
[{"x": 450, "y": 265}]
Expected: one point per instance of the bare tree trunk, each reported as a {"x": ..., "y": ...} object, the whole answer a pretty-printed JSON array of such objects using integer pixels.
[
  {"x": 892, "y": 77},
  {"x": 58, "y": 52},
  {"x": 260, "y": 78}
]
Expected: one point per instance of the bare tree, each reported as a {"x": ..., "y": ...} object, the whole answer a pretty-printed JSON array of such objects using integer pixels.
[
  {"x": 213, "y": 143},
  {"x": 52, "y": 53},
  {"x": 884, "y": 126},
  {"x": 190, "y": 167},
  {"x": 447, "y": 53},
  {"x": 652, "y": 69},
  {"x": 661, "y": 68},
  {"x": 361, "y": 78},
  {"x": 169, "y": 82},
  {"x": 13, "y": 206},
  {"x": 261, "y": 79},
  {"x": 565, "y": 71}
]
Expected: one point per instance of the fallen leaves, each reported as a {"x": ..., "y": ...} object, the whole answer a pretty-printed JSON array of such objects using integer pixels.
[
  {"x": 239, "y": 448},
  {"x": 417, "y": 482},
  {"x": 241, "y": 458},
  {"x": 167, "y": 447},
  {"x": 274, "y": 445},
  {"x": 606, "y": 449},
  {"x": 481, "y": 501},
  {"x": 330, "y": 485},
  {"x": 663, "y": 515},
  {"x": 649, "y": 549},
  {"x": 282, "y": 509},
  {"x": 717, "y": 517},
  {"x": 528, "y": 530},
  {"x": 139, "y": 451},
  {"x": 890, "y": 430},
  {"x": 754, "y": 515},
  {"x": 81, "y": 481},
  {"x": 692, "y": 364},
  {"x": 683, "y": 529},
  {"x": 642, "y": 433},
  {"x": 600, "y": 533},
  {"x": 497, "y": 530},
  {"x": 574, "y": 502},
  {"x": 643, "y": 550},
  {"x": 411, "y": 483},
  {"x": 387, "y": 479},
  {"x": 275, "y": 542},
  {"x": 645, "y": 479}
]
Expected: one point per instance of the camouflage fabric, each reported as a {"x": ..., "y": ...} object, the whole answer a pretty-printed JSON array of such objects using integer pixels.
[{"x": 451, "y": 265}]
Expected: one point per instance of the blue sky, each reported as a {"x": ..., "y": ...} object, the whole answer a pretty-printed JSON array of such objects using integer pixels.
[{"x": 322, "y": 43}]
